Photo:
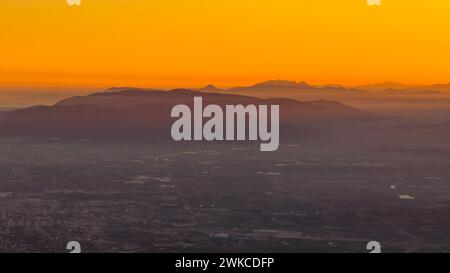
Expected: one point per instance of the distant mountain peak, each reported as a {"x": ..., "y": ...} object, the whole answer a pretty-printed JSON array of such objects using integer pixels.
[
  {"x": 282, "y": 84},
  {"x": 210, "y": 87}
]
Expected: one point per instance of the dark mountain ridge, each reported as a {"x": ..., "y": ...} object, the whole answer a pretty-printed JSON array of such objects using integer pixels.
[{"x": 132, "y": 112}]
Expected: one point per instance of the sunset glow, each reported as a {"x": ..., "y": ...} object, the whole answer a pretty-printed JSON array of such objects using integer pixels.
[{"x": 175, "y": 43}]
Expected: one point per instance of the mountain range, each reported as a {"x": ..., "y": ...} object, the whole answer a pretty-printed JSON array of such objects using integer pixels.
[
  {"x": 380, "y": 89},
  {"x": 141, "y": 113},
  {"x": 126, "y": 113}
]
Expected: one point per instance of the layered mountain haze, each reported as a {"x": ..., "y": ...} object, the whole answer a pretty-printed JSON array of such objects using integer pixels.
[
  {"x": 307, "y": 111},
  {"x": 341, "y": 91},
  {"x": 283, "y": 86},
  {"x": 141, "y": 113},
  {"x": 377, "y": 87},
  {"x": 420, "y": 102},
  {"x": 125, "y": 113},
  {"x": 392, "y": 94}
]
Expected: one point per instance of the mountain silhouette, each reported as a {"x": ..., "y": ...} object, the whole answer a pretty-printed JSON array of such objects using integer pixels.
[
  {"x": 210, "y": 88},
  {"x": 284, "y": 87},
  {"x": 304, "y": 91},
  {"x": 282, "y": 84},
  {"x": 141, "y": 113}
]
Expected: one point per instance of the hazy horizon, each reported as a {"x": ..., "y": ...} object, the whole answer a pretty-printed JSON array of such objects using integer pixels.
[{"x": 15, "y": 96}]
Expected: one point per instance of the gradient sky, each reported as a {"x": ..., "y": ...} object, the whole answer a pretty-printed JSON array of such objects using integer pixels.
[{"x": 189, "y": 43}]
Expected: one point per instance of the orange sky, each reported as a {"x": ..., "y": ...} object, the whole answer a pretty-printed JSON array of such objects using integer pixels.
[{"x": 189, "y": 43}]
